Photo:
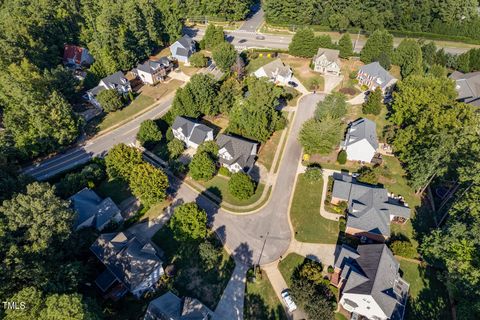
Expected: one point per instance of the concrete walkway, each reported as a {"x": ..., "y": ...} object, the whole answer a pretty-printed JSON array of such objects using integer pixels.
[
  {"x": 331, "y": 82},
  {"x": 357, "y": 99},
  {"x": 324, "y": 213},
  {"x": 230, "y": 306}
]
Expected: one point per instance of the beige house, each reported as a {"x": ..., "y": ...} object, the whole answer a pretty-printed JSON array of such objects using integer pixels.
[{"x": 327, "y": 61}]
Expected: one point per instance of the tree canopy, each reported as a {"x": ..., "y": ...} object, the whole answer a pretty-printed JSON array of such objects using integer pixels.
[
  {"x": 148, "y": 183},
  {"x": 202, "y": 166},
  {"x": 110, "y": 100},
  {"x": 189, "y": 223},
  {"x": 121, "y": 160},
  {"x": 149, "y": 134},
  {"x": 241, "y": 186},
  {"x": 379, "y": 47},
  {"x": 408, "y": 56},
  {"x": 213, "y": 36},
  {"x": 224, "y": 55},
  {"x": 196, "y": 98}
]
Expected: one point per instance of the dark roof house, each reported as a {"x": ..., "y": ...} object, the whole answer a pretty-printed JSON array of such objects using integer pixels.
[
  {"x": 373, "y": 75},
  {"x": 183, "y": 48},
  {"x": 467, "y": 86},
  {"x": 370, "y": 283},
  {"x": 191, "y": 132},
  {"x": 92, "y": 211},
  {"x": 236, "y": 153},
  {"x": 171, "y": 307},
  {"x": 131, "y": 261},
  {"x": 152, "y": 71},
  {"x": 361, "y": 141}
]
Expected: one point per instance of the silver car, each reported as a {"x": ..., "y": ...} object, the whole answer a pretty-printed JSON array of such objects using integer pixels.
[{"x": 287, "y": 298}]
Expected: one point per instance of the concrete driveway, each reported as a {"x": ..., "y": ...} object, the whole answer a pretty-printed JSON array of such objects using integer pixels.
[{"x": 331, "y": 82}]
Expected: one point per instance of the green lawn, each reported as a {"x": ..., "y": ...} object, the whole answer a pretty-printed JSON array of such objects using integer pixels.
[
  {"x": 428, "y": 295},
  {"x": 115, "y": 189},
  {"x": 288, "y": 265},
  {"x": 113, "y": 118},
  {"x": 192, "y": 278},
  {"x": 256, "y": 63},
  {"x": 339, "y": 316},
  {"x": 307, "y": 222},
  {"x": 261, "y": 302},
  {"x": 218, "y": 185}
]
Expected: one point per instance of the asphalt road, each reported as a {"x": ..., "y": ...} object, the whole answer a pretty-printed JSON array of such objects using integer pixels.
[
  {"x": 255, "y": 21},
  {"x": 267, "y": 230},
  {"x": 95, "y": 147}
]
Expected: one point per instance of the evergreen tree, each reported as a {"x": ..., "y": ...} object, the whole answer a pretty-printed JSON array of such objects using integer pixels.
[
  {"x": 213, "y": 36},
  {"x": 224, "y": 55},
  {"x": 345, "y": 46},
  {"x": 149, "y": 134},
  {"x": 374, "y": 102},
  {"x": 408, "y": 56},
  {"x": 303, "y": 43},
  {"x": 379, "y": 42}
]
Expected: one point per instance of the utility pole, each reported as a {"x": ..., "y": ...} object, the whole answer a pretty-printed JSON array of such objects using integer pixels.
[{"x": 263, "y": 247}]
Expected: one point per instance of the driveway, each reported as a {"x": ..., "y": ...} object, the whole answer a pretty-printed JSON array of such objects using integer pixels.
[
  {"x": 331, "y": 82},
  {"x": 230, "y": 306},
  {"x": 359, "y": 99}
]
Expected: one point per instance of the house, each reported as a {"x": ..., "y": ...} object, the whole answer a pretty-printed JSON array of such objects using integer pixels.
[
  {"x": 373, "y": 75},
  {"x": 361, "y": 141},
  {"x": 191, "y": 132},
  {"x": 171, "y": 307},
  {"x": 153, "y": 71},
  {"x": 369, "y": 282},
  {"x": 236, "y": 154},
  {"x": 183, "y": 48},
  {"x": 76, "y": 57},
  {"x": 116, "y": 81},
  {"x": 327, "y": 61},
  {"x": 467, "y": 86},
  {"x": 275, "y": 71},
  {"x": 132, "y": 265},
  {"x": 92, "y": 211},
  {"x": 370, "y": 208}
]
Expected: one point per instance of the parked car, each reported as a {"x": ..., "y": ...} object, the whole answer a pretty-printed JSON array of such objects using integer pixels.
[
  {"x": 259, "y": 37},
  {"x": 287, "y": 298},
  {"x": 292, "y": 84}
]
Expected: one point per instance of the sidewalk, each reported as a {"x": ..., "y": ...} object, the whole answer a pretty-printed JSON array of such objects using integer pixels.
[
  {"x": 230, "y": 306},
  {"x": 324, "y": 213}
]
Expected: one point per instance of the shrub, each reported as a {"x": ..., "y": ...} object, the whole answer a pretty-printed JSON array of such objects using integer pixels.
[
  {"x": 198, "y": 60},
  {"x": 202, "y": 166},
  {"x": 353, "y": 75},
  {"x": 367, "y": 175},
  {"x": 175, "y": 148},
  {"x": 313, "y": 174},
  {"x": 110, "y": 100},
  {"x": 342, "y": 224},
  {"x": 330, "y": 269},
  {"x": 241, "y": 186},
  {"x": 224, "y": 171},
  {"x": 403, "y": 248},
  {"x": 209, "y": 255},
  {"x": 364, "y": 87},
  {"x": 342, "y": 157}
]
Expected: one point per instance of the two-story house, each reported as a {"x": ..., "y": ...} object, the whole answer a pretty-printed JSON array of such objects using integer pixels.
[
  {"x": 153, "y": 71},
  {"x": 171, "y": 307},
  {"x": 373, "y": 75},
  {"x": 276, "y": 71},
  {"x": 327, "y": 61},
  {"x": 361, "y": 141},
  {"x": 76, "y": 57},
  {"x": 183, "y": 48},
  {"x": 191, "y": 132},
  {"x": 369, "y": 282},
  {"x": 116, "y": 81},
  {"x": 132, "y": 264},
  {"x": 236, "y": 154}
]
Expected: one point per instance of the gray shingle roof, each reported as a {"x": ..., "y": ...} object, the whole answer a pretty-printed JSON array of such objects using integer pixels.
[
  {"x": 369, "y": 207},
  {"x": 376, "y": 71},
  {"x": 331, "y": 54},
  {"x": 467, "y": 86},
  {"x": 130, "y": 260},
  {"x": 362, "y": 129},
  {"x": 117, "y": 78},
  {"x": 374, "y": 271},
  {"x": 239, "y": 149},
  {"x": 171, "y": 307},
  {"x": 276, "y": 67},
  {"x": 181, "y": 52},
  {"x": 150, "y": 66},
  {"x": 88, "y": 204},
  {"x": 186, "y": 42},
  {"x": 194, "y": 131}
]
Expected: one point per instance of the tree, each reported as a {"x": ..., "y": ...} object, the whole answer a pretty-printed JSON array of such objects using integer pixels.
[
  {"x": 379, "y": 42},
  {"x": 408, "y": 56},
  {"x": 345, "y": 46},
  {"x": 110, "y": 100},
  {"x": 342, "y": 157},
  {"x": 230, "y": 90},
  {"x": 320, "y": 136},
  {"x": 121, "y": 160},
  {"x": 175, "y": 148},
  {"x": 438, "y": 71},
  {"x": 198, "y": 60},
  {"x": 213, "y": 36},
  {"x": 196, "y": 98},
  {"x": 224, "y": 55},
  {"x": 149, "y": 134},
  {"x": 313, "y": 174},
  {"x": 67, "y": 306},
  {"x": 202, "y": 166},
  {"x": 303, "y": 43},
  {"x": 241, "y": 186},
  {"x": 148, "y": 183},
  {"x": 209, "y": 254},
  {"x": 210, "y": 147},
  {"x": 239, "y": 67},
  {"x": 367, "y": 175},
  {"x": 189, "y": 223},
  {"x": 334, "y": 105},
  {"x": 374, "y": 103}
]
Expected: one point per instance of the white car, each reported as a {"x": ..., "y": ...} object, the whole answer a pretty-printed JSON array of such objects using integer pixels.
[{"x": 287, "y": 298}]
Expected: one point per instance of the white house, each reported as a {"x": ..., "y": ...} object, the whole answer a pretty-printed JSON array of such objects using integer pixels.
[
  {"x": 327, "y": 61},
  {"x": 116, "y": 81},
  {"x": 236, "y": 154},
  {"x": 132, "y": 265},
  {"x": 92, "y": 211},
  {"x": 191, "y": 132},
  {"x": 76, "y": 56},
  {"x": 183, "y": 48},
  {"x": 369, "y": 282},
  {"x": 275, "y": 71},
  {"x": 361, "y": 141},
  {"x": 373, "y": 75},
  {"x": 153, "y": 71}
]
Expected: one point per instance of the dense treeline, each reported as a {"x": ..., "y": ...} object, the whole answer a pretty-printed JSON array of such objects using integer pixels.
[
  {"x": 228, "y": 9},
  {"x": 452, "y": 17}
]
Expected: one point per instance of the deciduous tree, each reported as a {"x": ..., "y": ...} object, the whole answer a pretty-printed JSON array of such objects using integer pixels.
[
  {"x": 189, "y": 223},
  {"x": 149, "y": 134},
  {"x": 320, "y": 136},
  {"x": 241, "y": 186},
  {"x": 110, "y": 100},
  {"x": 202, "y": 166},
  {"x": 175, "y": 148},
  {"x": 148, "y": 183},
  {"x": 224, "y": 55},
  {"x": 121, "y": 160}
]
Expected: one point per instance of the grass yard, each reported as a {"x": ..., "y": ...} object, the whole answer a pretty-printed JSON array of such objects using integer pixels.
[
  {"x": 307, "y": 222},
  {"x": 192, "y": 277},
  {"x": 188, "y": 70},
  {"x": 141, "y": 103},
  {"x": 115, "y": 189},
  {"x": 288, "y": 265},
  {"x": 218, "y": 185},
  {"x": 301, "y": 69},
  {"x": 261, "y": 302},
  {"x": 161, "y": 89},
  {"x": 268, "y": 149},
  {"x": 428, "y": 295},
  {"x": 258, "y": 62}
]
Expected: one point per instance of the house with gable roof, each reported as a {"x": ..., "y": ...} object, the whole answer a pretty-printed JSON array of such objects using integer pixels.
[
  {"x": 370, "y": 209},
  {"x": 191, "y": 132},
  {"x": 171, "y": 307},
  {"x": 276, "y": 71},
  {"x": 373, "y": 75},
  {"x": 236, "y": 154},
  {"x": 327, "y": 61},
  {"x": 132, "y": 264},
  {"x": 369, "y": 282},
  {"x": 116, "y": 81},
  {"x": 467, "y": 86},
  {"x": 361, "y": 141},
  {"x": 183, "y": 48},
  {"x": 92, "y": 211},
  {"x": 76, "y": 56},
  {"x": 153, "y": 71}
]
